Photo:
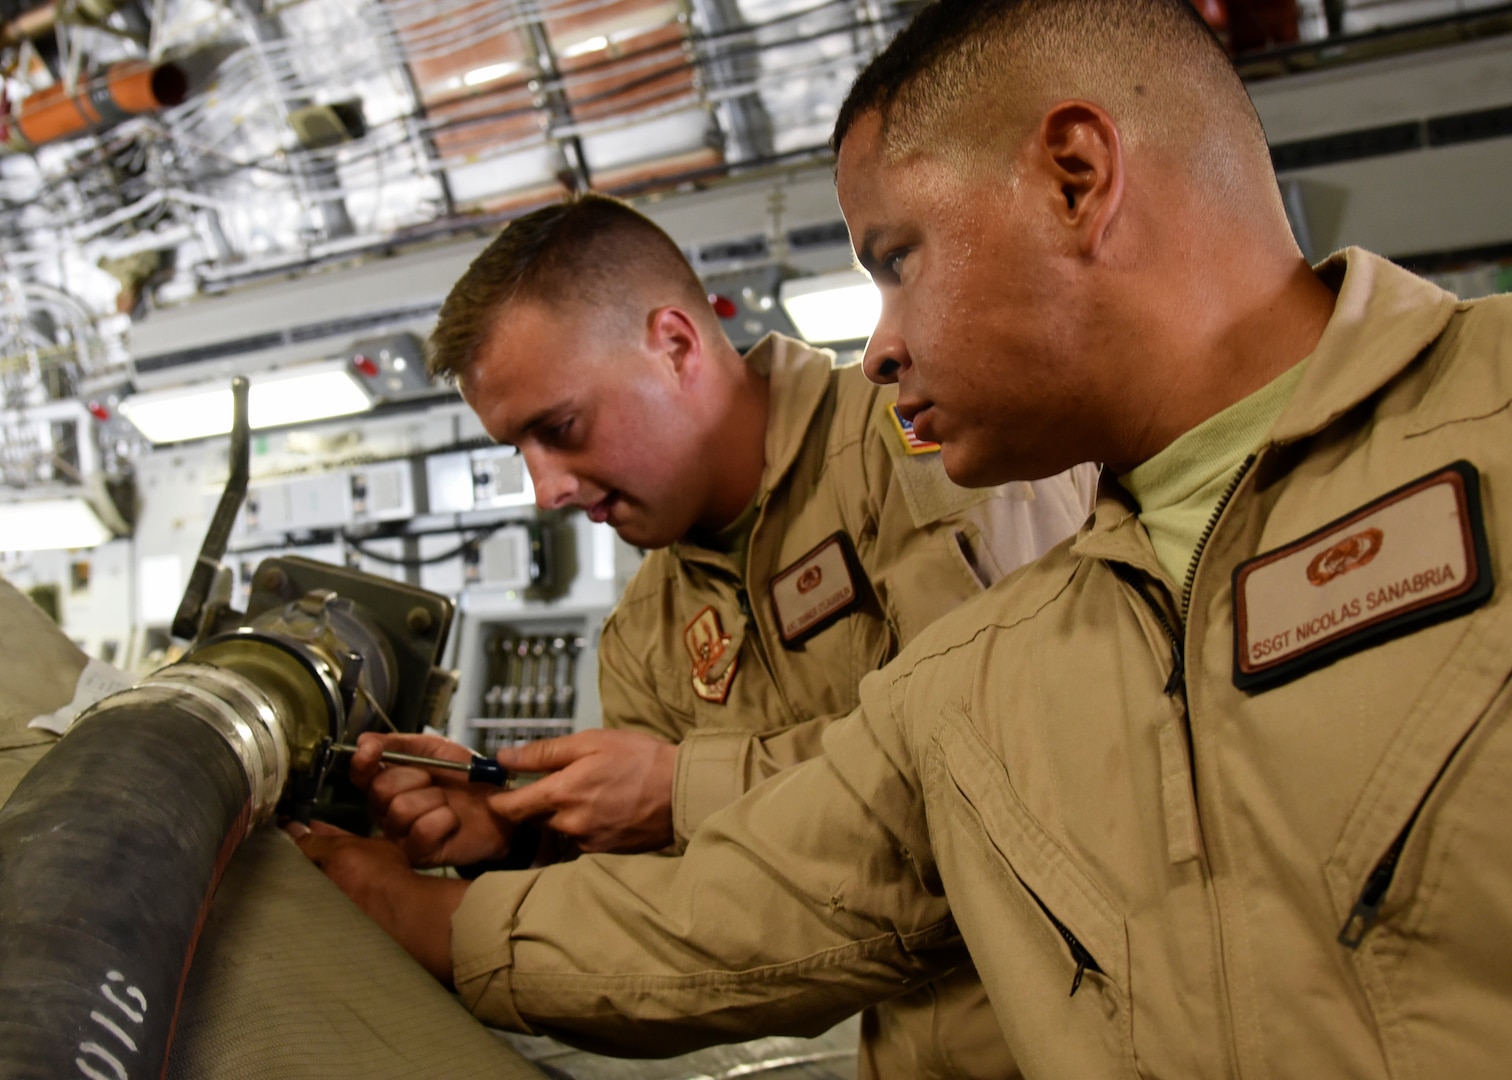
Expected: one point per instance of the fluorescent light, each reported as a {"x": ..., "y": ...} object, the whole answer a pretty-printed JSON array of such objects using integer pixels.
[
  {"x": 479, "y": 76},
  {"x": 843, "y": 306},
  {"x": 587, "y": 45},
  {"x": 47, "y": 524},
  {"x": 276, "y": 399}
]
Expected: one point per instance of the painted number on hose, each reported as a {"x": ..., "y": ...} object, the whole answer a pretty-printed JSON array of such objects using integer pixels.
[{"x": 131, "y": 1004}]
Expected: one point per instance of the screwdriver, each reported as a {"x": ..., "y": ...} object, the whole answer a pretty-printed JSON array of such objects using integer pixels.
[{"x": 480, "y": 770}]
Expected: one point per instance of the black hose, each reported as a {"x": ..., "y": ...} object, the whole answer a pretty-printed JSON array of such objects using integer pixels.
[{"x": 110, "y": 850}]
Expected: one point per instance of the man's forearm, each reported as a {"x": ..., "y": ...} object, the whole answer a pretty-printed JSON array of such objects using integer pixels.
[
  {"x": 415, "y": 909},
  {"x": 417, "y": 913}
]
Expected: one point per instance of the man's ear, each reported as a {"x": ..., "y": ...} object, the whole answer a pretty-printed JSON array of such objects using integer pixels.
[
  {"x": 1082, "y": 150},
  {"x": 674, "y": 336}
]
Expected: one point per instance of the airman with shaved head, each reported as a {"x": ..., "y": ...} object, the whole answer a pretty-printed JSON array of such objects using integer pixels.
[{"x": 1215, "y": 789}]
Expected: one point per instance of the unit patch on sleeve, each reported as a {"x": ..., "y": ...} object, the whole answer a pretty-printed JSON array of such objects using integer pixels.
[
  {"x": 816, "y": 590},
  {"x": 911, "y": 442},
  {"x": 714, "y": 661},
  {"x": 1413, "y": 557}
]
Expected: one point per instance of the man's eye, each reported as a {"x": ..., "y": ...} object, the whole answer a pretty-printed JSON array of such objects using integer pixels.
[
  {"x": 893, "y": 261},
  {"x": 557, "y": 432}
]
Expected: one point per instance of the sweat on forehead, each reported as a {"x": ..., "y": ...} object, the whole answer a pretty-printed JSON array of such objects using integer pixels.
[{"x": 970, "y": 73}]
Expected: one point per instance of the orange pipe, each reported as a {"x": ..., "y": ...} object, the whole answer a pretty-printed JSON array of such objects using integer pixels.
[{"x": 126, "y": 89}]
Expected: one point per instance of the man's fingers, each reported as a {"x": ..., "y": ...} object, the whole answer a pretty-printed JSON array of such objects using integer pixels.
[
  {"x": 317, "y": 839},
  {"x": 548, "y": 755},
  {"x": 533, "y": 800},
  {"x": 405, "y": 811},
  {"x": 396, "y": 780},
  {"x": 427, "y": 837}
]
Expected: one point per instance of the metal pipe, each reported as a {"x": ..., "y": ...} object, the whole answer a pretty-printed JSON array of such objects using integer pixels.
[{"x": 126, "y": 89}]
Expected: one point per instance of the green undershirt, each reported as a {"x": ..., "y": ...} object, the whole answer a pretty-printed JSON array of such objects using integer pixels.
[{"x": 1179, "y": 488}]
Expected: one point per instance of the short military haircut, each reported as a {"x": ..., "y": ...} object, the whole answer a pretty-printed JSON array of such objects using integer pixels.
[
  {"x": 590, "y": 250},
  {"x": 967, "y": 72}
]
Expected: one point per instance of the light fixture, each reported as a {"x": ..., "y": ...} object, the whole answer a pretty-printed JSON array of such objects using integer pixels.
[
  {"x": 276, "y": 399},
  {"x": 842, "y": 306},
  {"x": 48, "y": 524},
  {"x": 587, "y": 45},
  {"x": 489, "y": 73}
]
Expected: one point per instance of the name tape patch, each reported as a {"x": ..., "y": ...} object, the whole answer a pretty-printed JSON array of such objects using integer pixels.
[
  {"x": 816, "y": 590},
  {"x": 1415, "y": 556},
  {"x": 911, "y": 442}
]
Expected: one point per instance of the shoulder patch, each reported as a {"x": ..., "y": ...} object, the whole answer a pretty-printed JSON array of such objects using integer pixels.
[
  {"x": 714, "y": 654},
  {"x": 930, "y": 494}
]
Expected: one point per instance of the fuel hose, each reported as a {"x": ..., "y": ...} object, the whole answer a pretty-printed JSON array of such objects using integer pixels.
[{"x": 110, "y": 851}]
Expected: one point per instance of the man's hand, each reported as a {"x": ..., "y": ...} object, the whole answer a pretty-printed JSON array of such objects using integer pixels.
[
  {"x": 608, "y": 790},
  {"x": 437, "y": 818},
  {"x": 415, "y": 909}
]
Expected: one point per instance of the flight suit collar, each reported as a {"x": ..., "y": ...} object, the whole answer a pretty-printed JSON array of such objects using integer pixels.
[
  {"x": 1383, "y": 319},
  {"x": 798, "y": 377}
]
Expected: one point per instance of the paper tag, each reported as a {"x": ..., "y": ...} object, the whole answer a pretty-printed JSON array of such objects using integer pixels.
[
  {"x": 1413, "y": 557},
  {"x": 96, "y": 682},
  {"x": 815, "y": 591}
]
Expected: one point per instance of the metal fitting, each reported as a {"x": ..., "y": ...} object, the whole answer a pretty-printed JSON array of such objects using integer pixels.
[{"x": 238, "y": 710}]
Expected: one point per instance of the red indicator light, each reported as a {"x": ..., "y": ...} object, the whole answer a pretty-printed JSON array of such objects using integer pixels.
[
  {"x": 723, "y": 306},
  {"x": 98, "y": 411},
  {"x": 365, "y": 365}
]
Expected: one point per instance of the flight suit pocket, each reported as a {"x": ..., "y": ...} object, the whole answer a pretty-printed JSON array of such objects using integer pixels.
[
  {"x": 1049, "y": 943},
  {"x": 1421, "y": 879}
]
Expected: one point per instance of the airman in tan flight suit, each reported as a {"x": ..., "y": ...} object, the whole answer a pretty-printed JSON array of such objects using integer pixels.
[
  {"x": 1217, "y": 789},
  {"x": 800, "y": 534}
]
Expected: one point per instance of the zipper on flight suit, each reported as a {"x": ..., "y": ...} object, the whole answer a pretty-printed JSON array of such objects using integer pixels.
[
  {"x": 1207, "y": 534},
  {"x": 1176, "y": 684},
  {"x": 1367, "y": 908},
  {"x": 1079, "y": 954},
  {"x": 1083, "y": 959},
  {"x": 753, "y": 635}
]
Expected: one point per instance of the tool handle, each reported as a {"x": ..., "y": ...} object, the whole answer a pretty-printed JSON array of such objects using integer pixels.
[{"x": 485, "y": 770}]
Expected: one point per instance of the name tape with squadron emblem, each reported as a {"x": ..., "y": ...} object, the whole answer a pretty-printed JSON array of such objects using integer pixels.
[
  {"x": 1415, "y": 556},
  {"x": 816, "y": 590},
  {"x": 911, "y": 442},
  {"x": 714, "y": 661}
]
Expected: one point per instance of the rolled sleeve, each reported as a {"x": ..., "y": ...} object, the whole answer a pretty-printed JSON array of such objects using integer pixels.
[{"x": 482, "y": 946}]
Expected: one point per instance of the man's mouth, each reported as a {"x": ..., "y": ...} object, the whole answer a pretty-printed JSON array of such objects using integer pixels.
[
  {"x": 599, "y": 511},
  {"x": 920, "y": 415}
]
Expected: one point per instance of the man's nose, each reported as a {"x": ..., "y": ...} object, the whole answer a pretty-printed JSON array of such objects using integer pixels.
[
  {"x": 555, "y": 487},
  {"x": 886, "y": 355}
]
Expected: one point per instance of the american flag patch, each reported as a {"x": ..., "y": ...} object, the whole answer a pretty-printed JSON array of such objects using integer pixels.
[{"x": 911, "y": 442}]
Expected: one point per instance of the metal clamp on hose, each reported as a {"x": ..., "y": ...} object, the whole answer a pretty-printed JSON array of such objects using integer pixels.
[{"x": 238, "y": 710}]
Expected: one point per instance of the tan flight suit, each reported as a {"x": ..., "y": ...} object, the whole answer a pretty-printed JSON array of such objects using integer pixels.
[
  {"x": 290, "y": 980},
  {"x": 1157, "y": 873},
  {"x": 836, "y": 461}
]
